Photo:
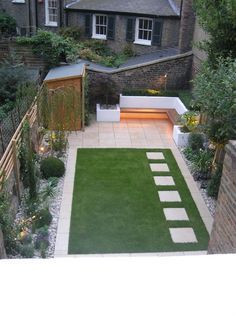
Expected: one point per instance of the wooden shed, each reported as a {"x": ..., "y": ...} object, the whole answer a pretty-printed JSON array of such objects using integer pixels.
[{"x": 69, "y": 81}]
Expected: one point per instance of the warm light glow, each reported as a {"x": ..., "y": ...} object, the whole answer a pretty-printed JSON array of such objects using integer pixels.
[{"x": 42, "y": 149}]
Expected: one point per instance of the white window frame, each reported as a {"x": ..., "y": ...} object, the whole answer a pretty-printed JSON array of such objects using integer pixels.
[
  {"x": 18, "y": 1},
  {"x": 48, "y": 22},
  {"x": 137, "y": 39},
  {"x": 95, "y": 35}
]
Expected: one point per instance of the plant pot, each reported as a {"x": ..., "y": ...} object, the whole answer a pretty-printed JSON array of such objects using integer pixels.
[
  {"x": 107, "y": 114},
  {"x": 180, "y": 138}
]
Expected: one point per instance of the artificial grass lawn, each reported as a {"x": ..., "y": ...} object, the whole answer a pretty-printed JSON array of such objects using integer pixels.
[{"x": 116, "y": 208}]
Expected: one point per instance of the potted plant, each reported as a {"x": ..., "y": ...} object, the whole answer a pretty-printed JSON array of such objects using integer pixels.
[{"x": 188, "y": 122}]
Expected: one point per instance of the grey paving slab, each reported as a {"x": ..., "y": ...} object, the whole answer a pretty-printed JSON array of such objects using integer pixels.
[
  {"x": 159, "y": 167},
  {"x": 175, "y": 214},
  {"x": 169, "y": 196},
  {"x": 154, "y": 155},
  {"x": 183, "y": 235},
  {"x": 162, "y": 180}
]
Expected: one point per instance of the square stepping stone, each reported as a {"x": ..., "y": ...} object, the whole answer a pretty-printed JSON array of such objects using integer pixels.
[
  {"x": 160, "y": 180},
  {"x": 169, "y": 196},
  {"x": 183, "y": 235},
  {"x": 151, "y": 155},
  {"x": 175, "y": 214},
  {"x": 159, "y": 167}
]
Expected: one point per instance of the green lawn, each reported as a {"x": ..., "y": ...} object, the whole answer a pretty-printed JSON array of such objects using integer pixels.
[{"x": 116, "y": 208}]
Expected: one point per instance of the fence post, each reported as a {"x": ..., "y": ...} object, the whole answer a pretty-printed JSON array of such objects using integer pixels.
[{"x": 16, "y": 168}]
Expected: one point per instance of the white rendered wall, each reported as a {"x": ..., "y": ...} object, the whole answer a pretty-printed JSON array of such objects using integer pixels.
[{"x": 152, "y": 103}]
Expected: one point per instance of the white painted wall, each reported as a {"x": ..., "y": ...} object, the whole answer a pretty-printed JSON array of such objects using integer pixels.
[
  {"x": 108, "y": 115},
  {"x": 153, "y": 103}
]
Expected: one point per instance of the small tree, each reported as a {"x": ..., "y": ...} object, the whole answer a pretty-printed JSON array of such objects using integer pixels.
[
  {"x": 215, "y": 94},
  {"x": 7, "y": 25},
  {"x": 218, "y": 19}
]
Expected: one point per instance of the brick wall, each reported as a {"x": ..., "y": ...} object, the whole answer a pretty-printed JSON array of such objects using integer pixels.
[
  {"x": 178, "y": 70},
  {"x": 22, "y": 54},
  {"x": 170, "y": 33},
  {"x": 186, "y": 26},
  {"x": 223, "y": 235}
]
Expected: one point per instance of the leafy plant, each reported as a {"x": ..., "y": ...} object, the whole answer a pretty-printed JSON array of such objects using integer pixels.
[
  {"x": 52, "y": 167},
  {"x": 196, "y": 141},
  {"x": 218, "y": 19},
  {"x": 49, "y": 189},
  {"x": 215, "y": 94},
  {"x": 59, "y": 141},
  {"x": 43, "y": 217},
  {"x": 7, "y": 25},
  {"x": 42, "y": 237},
  {"x": 214, "y": 183},
  {"x": 7, "y": 224},
  {"x": 203, "y": 162},
  {"x": 73, "y": 32},
  {"x": 27, "y": 250},
  {"x": 27, "y": 162},
  {"x": 189, "y": 121},
  {"x": 128, "y": 51},
  {"x": 52, "y": 47}
]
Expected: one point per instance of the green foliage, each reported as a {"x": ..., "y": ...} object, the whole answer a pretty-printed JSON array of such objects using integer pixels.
[
  {"x": 27, "y": 250},
  {"x": 27, "y": 239},
  {"x": 214, "y": 183},
  {"x": 59, "y": 142},
  {"x": 203, "y": 162},
  {"x": 215, "y": 94},
  {"x": 7, "y": 224},
  {"x": 98, "y": 51},
  {"x": 52, "y": 167},
  {"x": 27, "y": 162},
  {"x": 49, "y": 189},
  {"x": 196, "y": 141},
  {"x": 7, "y": 25},
  {"x": 218, "y": 19},
  {"x": 128, "y": 51},
  {"x": 52, "y": 47},
  {"x": 11, "y": 76},
  {"x": 73, "y": 32},
  {"x": 42, "y": 237},
  {"x": 189, "y": 121},
  {"x": 43, "y": 217}
]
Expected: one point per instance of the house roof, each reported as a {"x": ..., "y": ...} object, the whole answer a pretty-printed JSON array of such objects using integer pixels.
[
  {"x": 65, "y": 71},
  {"x": 145, "y": 7}
]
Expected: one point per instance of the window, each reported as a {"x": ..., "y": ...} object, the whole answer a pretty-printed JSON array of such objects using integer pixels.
[
  {"x": 100, "y": 26},
  {"x": 18, "y": 1},
  {"x": 51, "y": 12},
  {"x": 143, "y": 32}
]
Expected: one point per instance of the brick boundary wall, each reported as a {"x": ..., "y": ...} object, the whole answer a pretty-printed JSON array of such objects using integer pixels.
[
  {"x": 22, "y": 54},
  {"x": 148, "y": 75},
  {"x": 223, "y": 235}
]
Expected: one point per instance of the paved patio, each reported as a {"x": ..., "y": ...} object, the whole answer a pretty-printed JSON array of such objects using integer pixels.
[
  {"x": 131, "y": 134},
  {"x": 127, "y": 133}
]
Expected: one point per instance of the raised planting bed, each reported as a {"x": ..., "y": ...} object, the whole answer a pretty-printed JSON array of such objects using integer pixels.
[
  {"x": 108, "y": 113},
  {"x": 180, "y": 138}
]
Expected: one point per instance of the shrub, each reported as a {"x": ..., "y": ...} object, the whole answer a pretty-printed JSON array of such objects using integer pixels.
[
  {"x": 42, "y": 218},
  {"x": 42, "y": 237},
  {"x": 73, "y": 32},
  {"x": 214, "y": 183},
  {"x": 27, "y": 250},
  {"x": 7, "y": 25},
  {"x": 128, "y": 51},
  {"x": 195, "y": 141},
  {"x": 203, "y": 162},
  {"x": 52, "y": 47},
  {"x": 52, "y": 167}
]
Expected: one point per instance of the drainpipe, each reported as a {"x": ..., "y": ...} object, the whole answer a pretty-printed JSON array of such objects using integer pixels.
[{"x": 29, "y": 19}]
